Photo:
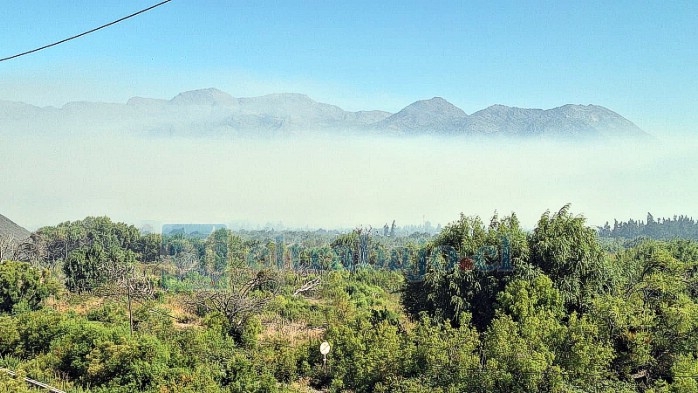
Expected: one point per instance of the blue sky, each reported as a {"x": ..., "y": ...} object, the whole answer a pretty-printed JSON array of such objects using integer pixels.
[{"x": 637, "y": 58}]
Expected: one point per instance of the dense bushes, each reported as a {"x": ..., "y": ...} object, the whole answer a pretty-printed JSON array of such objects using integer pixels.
[
  {"x": 570, "y": 316},
  {"x": 103, "y": 356},
  {"x": 23, "y": 285},
  {"x": 480, "y": 308}
]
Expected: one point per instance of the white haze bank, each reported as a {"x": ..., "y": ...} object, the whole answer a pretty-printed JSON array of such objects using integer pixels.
[{"x": 333, "y": 182}]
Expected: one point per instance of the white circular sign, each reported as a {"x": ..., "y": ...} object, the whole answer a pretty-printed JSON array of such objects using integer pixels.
[{"x": 325, "y": 348}]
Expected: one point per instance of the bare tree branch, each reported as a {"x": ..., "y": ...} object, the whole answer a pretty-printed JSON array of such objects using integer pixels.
[
  {"x": 245, "y": 297},
  {"x": 308, "y": 286}
]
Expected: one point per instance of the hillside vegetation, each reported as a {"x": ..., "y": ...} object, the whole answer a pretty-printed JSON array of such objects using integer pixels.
[{"x": 480, "y": 307}]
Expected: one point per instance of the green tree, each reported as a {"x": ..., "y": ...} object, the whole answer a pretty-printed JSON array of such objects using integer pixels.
[
  {"x": 650, "y": 317},
  {"x": 444, "y": 356},
  {"x": 22, "y": 283},
  {"x": 520, "y": 344},
  {"x": 149, "y": 247},
  {"x": 465, "y": 267},
  {"x": 569, "y": 253},
  {"x": 88, "y": 268}
]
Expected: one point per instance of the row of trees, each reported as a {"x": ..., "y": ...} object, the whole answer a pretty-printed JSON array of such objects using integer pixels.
[{"x": 682, "y": 227}]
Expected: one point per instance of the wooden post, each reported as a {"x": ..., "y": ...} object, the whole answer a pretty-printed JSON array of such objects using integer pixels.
[{"x": 128, "y": 295}]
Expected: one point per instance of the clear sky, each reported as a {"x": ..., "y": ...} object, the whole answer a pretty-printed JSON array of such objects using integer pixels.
[{"x": 637, "y": 58}]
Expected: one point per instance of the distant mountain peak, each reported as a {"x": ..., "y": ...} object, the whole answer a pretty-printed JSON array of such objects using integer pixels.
[
  {"x": 436, "y": 104},
  {"x": 210, "y": 96},
  {"x": 136, "y": 101},
  {"x": 435, "y": 100},
  {"x": 498, "y": 108},
  {"x": 291, "y": 96},
  {"x": 9, "y": 228},
  {"x": 434, "y": 115},
  {"x": 284, "y": 98}
]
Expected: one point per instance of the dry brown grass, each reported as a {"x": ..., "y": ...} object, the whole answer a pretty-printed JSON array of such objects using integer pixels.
[
  {"x": 303, "y": 386},
  {"x": 294, "y": 332},
  {"x": 175, "y": 304},
  {"x": 81, "y": 304}
]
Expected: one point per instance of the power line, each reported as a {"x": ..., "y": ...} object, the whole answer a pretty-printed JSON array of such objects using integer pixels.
[
  {"x": 85, "y": 33},
  {"x": 34, "y": 382}
]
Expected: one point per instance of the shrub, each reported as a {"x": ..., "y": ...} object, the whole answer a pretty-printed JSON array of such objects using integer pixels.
[{"x": 21, "y": 283}]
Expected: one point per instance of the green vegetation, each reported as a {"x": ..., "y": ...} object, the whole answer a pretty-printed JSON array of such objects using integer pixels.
[
  {"x": 478, "y": 307},
  {"x": 682, "y": 227},
  {"x": 23, "y": 286}
]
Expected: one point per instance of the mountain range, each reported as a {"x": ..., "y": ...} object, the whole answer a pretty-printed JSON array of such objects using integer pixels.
[{"x": 211, "y": 112}]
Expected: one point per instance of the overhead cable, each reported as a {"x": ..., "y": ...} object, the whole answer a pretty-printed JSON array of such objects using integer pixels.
[{"x": 85, "y": 33}]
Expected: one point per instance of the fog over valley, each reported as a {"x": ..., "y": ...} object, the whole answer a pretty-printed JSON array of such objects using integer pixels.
[{"x": 337, "y": 181}]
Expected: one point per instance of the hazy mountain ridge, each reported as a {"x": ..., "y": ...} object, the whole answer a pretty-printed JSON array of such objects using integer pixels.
[
  {"x": 427, "y": 116},
  {"x": 211, "y": 112},
  {"x": 11, "y": 229}
]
